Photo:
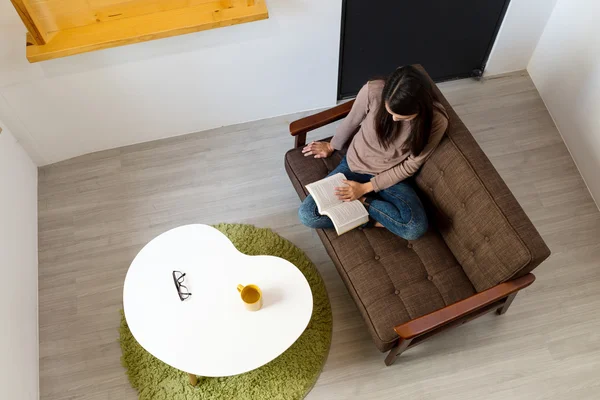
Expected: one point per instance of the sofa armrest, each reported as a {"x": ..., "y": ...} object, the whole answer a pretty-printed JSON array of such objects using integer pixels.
[
  {"x": 301, "y": 127},
  {"x": 458, "y": 310}
]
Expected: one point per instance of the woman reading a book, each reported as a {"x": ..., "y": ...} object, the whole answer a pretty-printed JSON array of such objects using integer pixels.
[{"x": 393, "y": 128}]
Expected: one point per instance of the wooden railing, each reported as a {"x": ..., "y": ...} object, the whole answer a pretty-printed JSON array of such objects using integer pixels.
[{"x": 59, "y": 28}]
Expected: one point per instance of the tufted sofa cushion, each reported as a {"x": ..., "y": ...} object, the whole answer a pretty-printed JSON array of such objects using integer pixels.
[
  {"x": 390, "y": 279},
  {"x": 474, "y": 211},
  {"x": 472, "y": 225}
]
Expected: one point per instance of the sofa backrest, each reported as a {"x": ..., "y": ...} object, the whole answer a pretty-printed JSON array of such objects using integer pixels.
[{"x": 479, "y": 218}]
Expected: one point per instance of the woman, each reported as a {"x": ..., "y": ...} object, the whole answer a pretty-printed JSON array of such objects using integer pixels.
[{"x": 398, "y": 123}]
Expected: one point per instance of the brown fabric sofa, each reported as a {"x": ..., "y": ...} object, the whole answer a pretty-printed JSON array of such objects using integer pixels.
[{"x": 478, "y": 253}]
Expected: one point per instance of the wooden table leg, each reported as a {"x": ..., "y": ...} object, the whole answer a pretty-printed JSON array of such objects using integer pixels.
[{"x": 193, "y": 379}]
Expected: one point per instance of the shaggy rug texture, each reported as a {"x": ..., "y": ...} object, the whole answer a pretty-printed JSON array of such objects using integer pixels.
[{"x": 290, "y": 376}]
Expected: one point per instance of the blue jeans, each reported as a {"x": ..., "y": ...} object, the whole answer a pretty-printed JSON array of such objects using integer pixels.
[{"x": 397, "y": 208}]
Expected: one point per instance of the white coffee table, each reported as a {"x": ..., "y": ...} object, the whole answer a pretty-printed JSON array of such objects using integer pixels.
[{"x": 211, "y": 333}]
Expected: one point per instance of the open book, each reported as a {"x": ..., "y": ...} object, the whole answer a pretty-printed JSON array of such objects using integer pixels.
[{"x": 345, "y": 215}]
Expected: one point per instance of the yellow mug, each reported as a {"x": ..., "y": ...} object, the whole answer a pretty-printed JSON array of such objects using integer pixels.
[{"x": 251, "y": 296}]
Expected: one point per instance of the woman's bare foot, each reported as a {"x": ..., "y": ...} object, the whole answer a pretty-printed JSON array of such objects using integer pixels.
[
  {"x": 364, "y": 200},
  {"x": 377, "y": 224}
]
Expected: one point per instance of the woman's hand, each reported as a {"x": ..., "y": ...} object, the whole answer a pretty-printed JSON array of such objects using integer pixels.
[
  {"x": 318, "y": 149},
  {"x": 353, "y": 191}
]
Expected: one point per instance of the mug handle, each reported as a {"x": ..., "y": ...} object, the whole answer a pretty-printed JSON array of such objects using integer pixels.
[{"x": 240, "y": 288}]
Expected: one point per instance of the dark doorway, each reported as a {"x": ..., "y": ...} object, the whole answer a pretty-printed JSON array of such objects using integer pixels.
[{"x": 451, "y": 39}]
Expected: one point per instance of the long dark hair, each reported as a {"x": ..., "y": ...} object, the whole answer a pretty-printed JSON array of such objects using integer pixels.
[{"x": 406, "y": 92}]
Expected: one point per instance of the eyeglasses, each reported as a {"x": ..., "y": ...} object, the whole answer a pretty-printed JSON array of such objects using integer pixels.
[{"x": 182, "y": 291}]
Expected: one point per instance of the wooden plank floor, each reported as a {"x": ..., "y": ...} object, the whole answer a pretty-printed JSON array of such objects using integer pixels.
[{"x": 97, "y": 211}]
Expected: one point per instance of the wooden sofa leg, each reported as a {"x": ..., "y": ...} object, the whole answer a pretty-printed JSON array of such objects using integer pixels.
[
  {"x": 397, "y": 350},
  {"x": 300, "y": 140},
  {"x": 502, "y": 310}
]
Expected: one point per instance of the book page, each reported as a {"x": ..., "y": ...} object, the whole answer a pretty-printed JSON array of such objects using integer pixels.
[
  {"x": 347, "y": 216},
  {"x": 323, "y": 191}
]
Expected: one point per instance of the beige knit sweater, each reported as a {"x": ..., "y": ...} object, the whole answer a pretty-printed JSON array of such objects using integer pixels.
[{"x": 366, "y": 155}]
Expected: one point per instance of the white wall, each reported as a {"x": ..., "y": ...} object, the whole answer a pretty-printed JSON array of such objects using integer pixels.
[
  {"x": 19, "y": 364},
  {"x": 519, "y": 34},
  {"x": 71, "y": 106},
  {"x": 566, "y": 71}
]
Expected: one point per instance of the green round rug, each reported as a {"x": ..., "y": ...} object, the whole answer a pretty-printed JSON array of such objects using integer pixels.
[{"x": 289, "y": 377}]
